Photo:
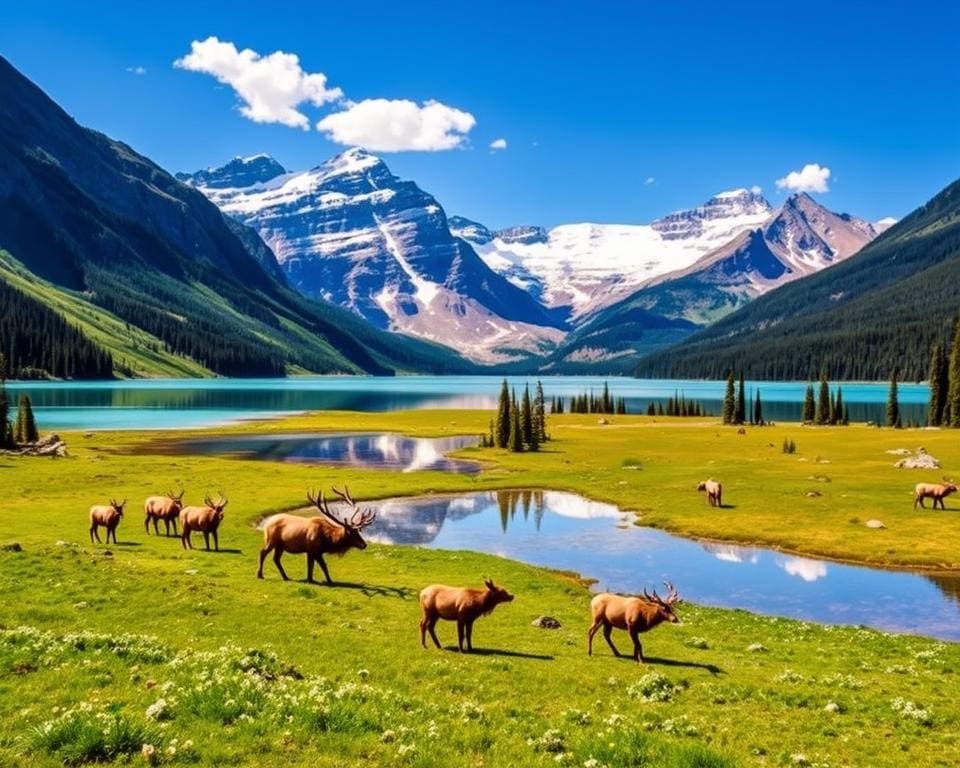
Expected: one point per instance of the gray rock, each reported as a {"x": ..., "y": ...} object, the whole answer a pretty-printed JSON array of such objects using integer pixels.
[
  {"x": 874, "y": 524},
  {"x": 922, "y": 460},
  {"x": 546, "y": 622}
]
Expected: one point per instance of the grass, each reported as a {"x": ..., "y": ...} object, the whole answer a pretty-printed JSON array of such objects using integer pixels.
[{"x": 106, "y": 649}]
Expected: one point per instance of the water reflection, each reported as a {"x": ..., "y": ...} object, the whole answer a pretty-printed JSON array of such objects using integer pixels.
[
  {"x": 567, "y": 532},
  {"x": 371, "y": 451}
]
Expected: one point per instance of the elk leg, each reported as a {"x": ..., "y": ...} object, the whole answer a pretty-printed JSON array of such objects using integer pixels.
[
  {"x": 146, "y": 524},
  {"x": 216, "y": 540},
  {"x": 156, "y": 526},
  {"x": 112, "y": 532},
  {"x": 423, "y": 631},
  {"x": 323, "y": 564},
  {"x": 432, "y": 627},
  {"x": 460, "y": 631},
  {"x": 469, "y": 634},
  {"x": 637, "y": 648},
  {"x": 590, "y": 633},
  {"x": 309, "y": 568},
  {"x": 607, "y": 631},
  {"x": 93, "y": 532},
  {"x": 278, "y": 553},
  {"x": 263, "y": 556},
  {"x": 185, "y": 539}
]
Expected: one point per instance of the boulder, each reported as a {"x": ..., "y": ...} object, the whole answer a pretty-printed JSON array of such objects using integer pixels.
[
  {"x": 874, "y": 524},
  {"x": 546, "y": 622},
  {"x": 919, "y": 461}
]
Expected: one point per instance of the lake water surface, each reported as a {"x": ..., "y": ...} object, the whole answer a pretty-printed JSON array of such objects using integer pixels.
[
  {"x": 568, "y": 532},
  {"x": 177, "y": 403}
]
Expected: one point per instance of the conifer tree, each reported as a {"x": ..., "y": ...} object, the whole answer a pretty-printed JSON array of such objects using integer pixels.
[
  {"x": 758, "y": 411},
  {"x": 729, "y": 401},
  {"x": 503, "y": 417},
  {"x": 659, "y": 409},
  {"x": 846, "y": 416},
  {"x": 515, "y": 438},
  {"x": 893, "y": 403},
  {"x": 526, "y": 416},
  {"x": 953, "y": 377},
  {"x": 823, "y": 401},
  {"x": 807, "y": 415},
  {"x": 742, "y": 402},
  {"x": 839, "y": 407},
  {"x": 938, "y": 393},
  {"x": 5, "y": 436},
  {"x": 25, "y": 430},
  {"x": 540, "y": 412}
]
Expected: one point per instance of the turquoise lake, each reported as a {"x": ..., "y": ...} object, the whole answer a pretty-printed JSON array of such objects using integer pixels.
[{"x": 176, "y": 403}]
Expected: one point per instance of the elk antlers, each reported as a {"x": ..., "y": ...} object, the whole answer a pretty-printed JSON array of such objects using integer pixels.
[
  {"x": 673, "y": 597},
  {"x": 359, "y": 519},
  {"x": 221, "y": 502}
]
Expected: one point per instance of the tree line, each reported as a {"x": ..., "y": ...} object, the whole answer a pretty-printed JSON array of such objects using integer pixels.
[
  {"x": 735, "y": 403},
  {"x": 588, "y": 402},
  {"x": 520, "y": 424},
  {"x": 678, "y": 405}
]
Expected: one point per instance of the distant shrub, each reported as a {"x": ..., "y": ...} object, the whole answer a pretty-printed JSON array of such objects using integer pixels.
[{"x": 789, "y": 446}]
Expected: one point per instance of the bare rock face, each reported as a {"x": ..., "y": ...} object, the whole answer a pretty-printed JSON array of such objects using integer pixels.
[{"x": 546, "y": 622}]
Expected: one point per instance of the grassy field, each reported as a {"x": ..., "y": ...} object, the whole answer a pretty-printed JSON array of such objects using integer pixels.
[{"x": 105, "y": 649}]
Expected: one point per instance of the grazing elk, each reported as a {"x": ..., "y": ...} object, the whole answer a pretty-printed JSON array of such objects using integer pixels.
[
  {"x": 714, "y": 492},
  {"x": 166, "y": 508},
  {"x": 205, "y": 519},
  {"x": 458, "y": 604},
  {"x": 634, "y": 614},
  {"x": 107, "y": 515},
  {"x": 315, "y": 536},
  {"x": 936, "y": 491}
]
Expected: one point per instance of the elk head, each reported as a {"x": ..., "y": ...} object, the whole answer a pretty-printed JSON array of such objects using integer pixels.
[
  {"x": 499, "y": 594},
  {"x": 665, "y": 606},
  {"x": 118, "y": 507},
  {"x": 218, "y": 505},
  {"x": 352, "y": 523}
]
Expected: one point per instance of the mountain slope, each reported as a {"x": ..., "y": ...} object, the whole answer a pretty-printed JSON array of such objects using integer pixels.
[
  {"x": 90, "y": 215},
  {"x": 352, "y": 233},
  {"x": 800, "y": 238},
  {"x": 877, "y": 310}
]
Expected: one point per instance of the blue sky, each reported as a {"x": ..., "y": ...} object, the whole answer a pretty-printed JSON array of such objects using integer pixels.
[{"x": 593, "y": 99}]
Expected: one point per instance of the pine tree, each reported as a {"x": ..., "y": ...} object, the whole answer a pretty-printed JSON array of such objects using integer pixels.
[
  {"x": 839, "y": 407},
  {"x": 659, "y": 409},
  {"x": 953, "y": 379},
  {"x": 758, "y": 411},
  {"x": 5, "y": 440},
  {"x": 503, "y": 417},
  {"x": 26, "y": 428},
  {"x": 846, "y": 416},
  {"x": 540, "y": 411},
  {"x": 808, "y": 407},
  {"x": 823, "y": 401},
  {"x": 515, "y": 438},
  {"x": 526, "y": 416},
  {"x": 742, "y": 402},
  {"x": 938, "y": 393},
  {"x": 729, "y": 401},
  {"x": 893, "y": 403}
]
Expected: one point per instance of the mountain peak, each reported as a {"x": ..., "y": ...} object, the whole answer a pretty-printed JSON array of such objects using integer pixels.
[
  {"x": 353, "y": 160},
  {"x": 239, "y": 172}
]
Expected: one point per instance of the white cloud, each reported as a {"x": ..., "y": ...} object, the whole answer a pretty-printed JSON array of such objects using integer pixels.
[
  {"x": 808, "y": 570},
  {"x": 498, "y": 144},
  {"x": 398, "y": 125},
  {"x": 650, "y": 181},
  {"x": 271, "y": 87},
  {"x": 812, "y": 178},
  {"x": 137, "y": 70},
  {"x": 756, "y": 189}
]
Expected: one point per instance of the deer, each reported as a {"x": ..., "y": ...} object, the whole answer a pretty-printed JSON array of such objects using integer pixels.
[
  {"x": 936, "y": 491},
  {"x": 634, "y": 614},
  {"x": 166, "y": 508},
  {"x": 107, "y": 515},
  {"x": 205, "y": 519},
  {"x": 459, "y": 604},
  {"x": 315, "y": 536},
  {"x": 714, "y": 492}
]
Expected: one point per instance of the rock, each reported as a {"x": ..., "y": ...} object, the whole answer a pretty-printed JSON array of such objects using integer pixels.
[
  {"x": 602, "y": 422},
  {"x": 921, "y": 461},
  {"x": 874, "y": 524},
  {"x": 832, "y": 707},
  {"x": 899, "y": 451},
  {"x": 756, "y": 648},
  {"x": 13, "y": 546},
  {"x": 81, "y": 605},
  {"x": 819, "y": 478},
  {"x": 813, "y": 494},
  {"x": 546, "y": 622}
]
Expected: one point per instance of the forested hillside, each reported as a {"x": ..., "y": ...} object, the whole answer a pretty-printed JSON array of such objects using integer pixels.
[{"x": 879, "y": 310}]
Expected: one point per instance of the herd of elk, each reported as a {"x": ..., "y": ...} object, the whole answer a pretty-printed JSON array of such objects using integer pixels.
[
  {"x": 324, "y": 534},
  {"x": 458, "y": 604},
  {"x": 633, "y": 614},
  {"x": 166, "y": 508},
  {"x": 107, "y": 515},
  {"x": 205, "y": 519}
]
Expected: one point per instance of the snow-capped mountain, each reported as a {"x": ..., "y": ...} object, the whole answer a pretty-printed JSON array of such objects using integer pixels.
[
  {"x": 799, "y": 238},
  {"x": 350, "y": 232},
  {"x": 585, "y": 267}
]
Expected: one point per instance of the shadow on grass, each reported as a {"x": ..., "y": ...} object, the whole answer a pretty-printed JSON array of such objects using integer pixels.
[
  {"x": 220, "y": 551},
  {"x": 369, "y": 590},
  {"x": 498, "y": 652},
  {"x": 713, "y": 669}
]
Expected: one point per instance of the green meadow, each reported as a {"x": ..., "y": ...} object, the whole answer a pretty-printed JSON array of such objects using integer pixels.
[{"x": 143, "y": 653}]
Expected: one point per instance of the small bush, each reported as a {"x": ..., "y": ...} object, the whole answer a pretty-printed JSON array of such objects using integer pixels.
[
  {"x": 83, "y": 735},
  {"x": 789, "y": 446}
]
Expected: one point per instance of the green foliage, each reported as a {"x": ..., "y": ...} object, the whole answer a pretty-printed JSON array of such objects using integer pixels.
[
  {"x": 939, "y": 385},
  {"x": 893, "y": 402},
  {"x": 952, "y": 408},
  {"x": 789, "y": 446},
  {"x": 526, "y": 417},
  {"x": 808, "y": 413},
  {"x": 25, "y": 429},
  {"x": 540, "y": 414},
  {"x": 6, "y": 438},
  {"x": 503, "y": 417},
  {"x": 823, "y": 401},
  {"x": 741, "y": 401},
  {"x": 515, "y": 440},
  {"x": 758, "y": 411},
  {"x": 729, "y": 401}
]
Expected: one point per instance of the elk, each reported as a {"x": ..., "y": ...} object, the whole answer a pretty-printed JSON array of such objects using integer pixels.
[
  {"x": 634, "y": 614},
  {"x": 206, "y": 519},
  {"x": 166, "y": 508},
  {"x": 315, "y": 536},
  {"x": 107, "y": 515},
  {"x": 714, "y": 492},
  {"x": 458, "y": 604},
  {"x": 936, "y": 491}
]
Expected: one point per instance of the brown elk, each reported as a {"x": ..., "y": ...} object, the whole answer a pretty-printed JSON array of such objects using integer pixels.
[
  {"x": 936, "y": 491},
  {"x": 205, "y": 519},
  {"x": 315, "y": 536},
  {"x": 634, "y": 614},
  {"x": 458, "y": 604},
  {"x": 714, "y": 492},
  {"x": 166, "y": 508},
  {"x": 107, "y": 515}
]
